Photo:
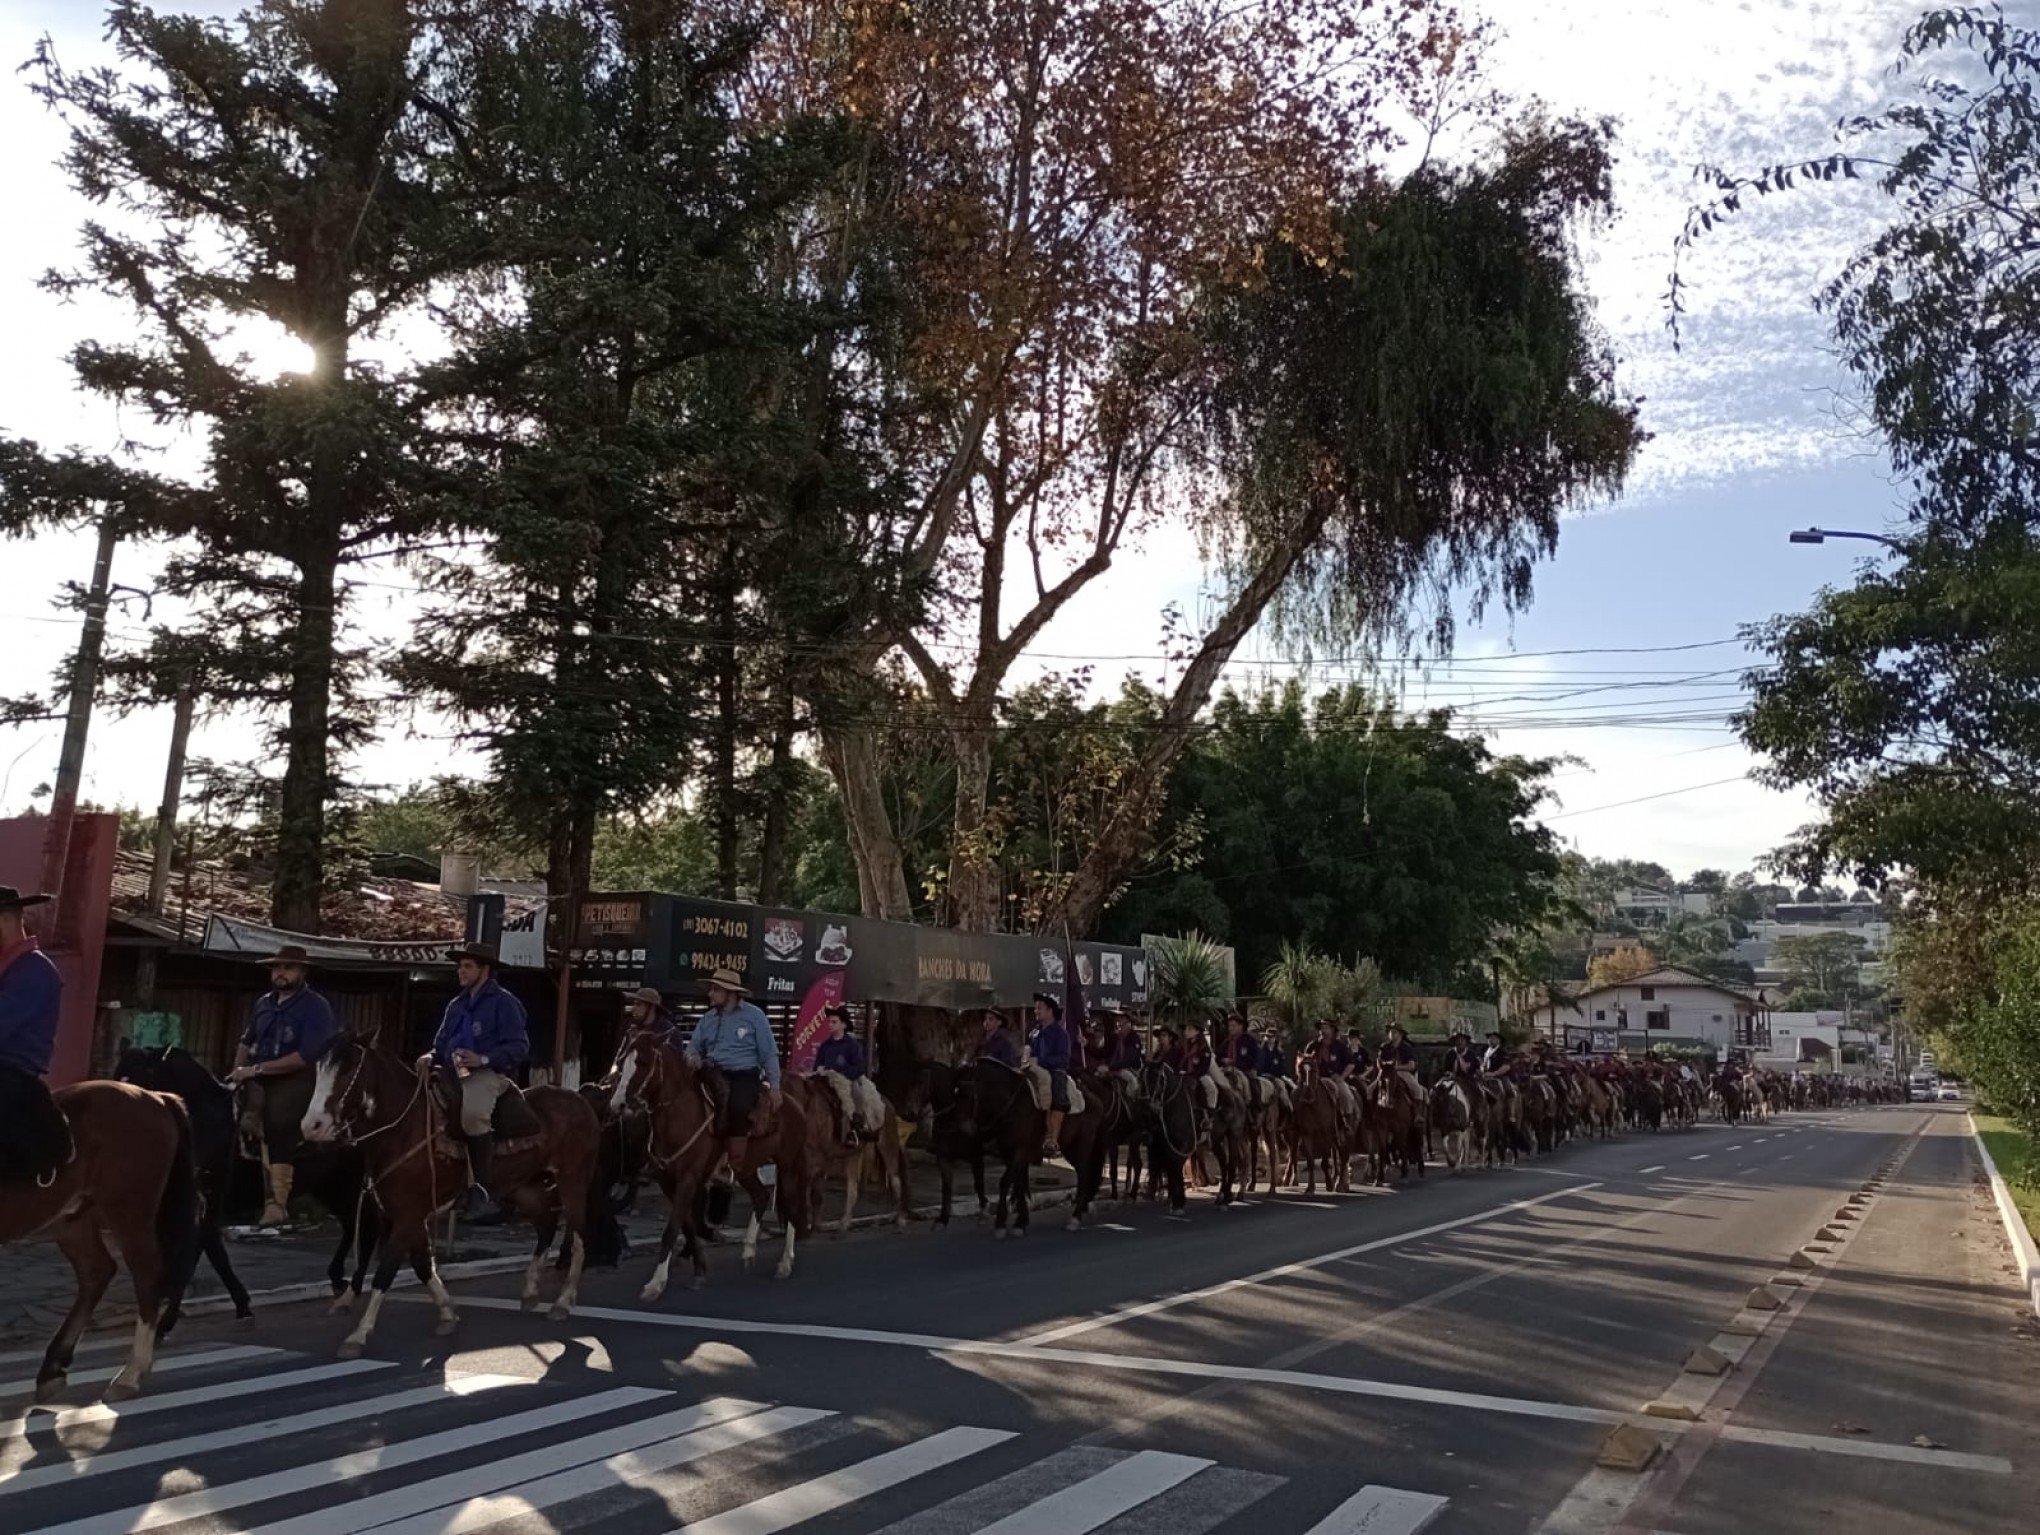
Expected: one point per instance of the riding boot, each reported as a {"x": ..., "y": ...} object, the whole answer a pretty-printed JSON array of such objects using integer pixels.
[
  {"x": 481, "y": 1208},
  {"x": 1051, "y": 1145},
  {"x": 277, "y": 1211}
]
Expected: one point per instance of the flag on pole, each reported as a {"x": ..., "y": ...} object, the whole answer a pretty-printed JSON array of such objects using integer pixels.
[{"x": 1075, "y": 1011}]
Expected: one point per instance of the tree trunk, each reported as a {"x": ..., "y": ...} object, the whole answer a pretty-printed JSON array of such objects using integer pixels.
[
  {"x": 973, "y": 898},
  {"x": 724, "y": 789},
  {"x": 881, "y": 868},
  {"x": 1125, "y": 836},
  {"x": 307, "y": 773},
  {"x": 779, "y": 789}
]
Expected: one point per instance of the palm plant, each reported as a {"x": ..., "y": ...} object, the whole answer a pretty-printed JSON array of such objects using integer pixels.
[
  {"x": 1299, "y": 983},
  {"x": 1190, "y": 975}
]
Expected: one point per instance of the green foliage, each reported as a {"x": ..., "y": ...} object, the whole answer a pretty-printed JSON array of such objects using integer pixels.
[
  {"x": 2000, "y": 1038},
  {"x": 1337, "y": 826},
  {"x": 1823, "y": 969},
  {"x": 1190, "y": 978}
]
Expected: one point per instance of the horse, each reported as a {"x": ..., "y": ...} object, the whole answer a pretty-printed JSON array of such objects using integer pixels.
[
  {"x": 132, "y": 1177},
  {"x": 931, "y": 1099},
  {"x": 1172, "y": 1128},
  {"x": 415, "y": 1170},
  {"x": 995, "y": 1106},
  {"x": 1405, "y": 1125},
  {"x": 209, "y": 1105},
  {"x": 1319, "y": 1130},
  {"x": 829, "y": 1152},
  {"x": 684, "y": 1152},
  {"x": 1228, "y": 1131},
  {"x": 1453, "y": 1117}
]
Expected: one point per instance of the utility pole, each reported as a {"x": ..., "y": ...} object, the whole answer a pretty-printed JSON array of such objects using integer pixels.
[
  {"x": 173, "y": 794},
  {"x": 84, "y": 688}
]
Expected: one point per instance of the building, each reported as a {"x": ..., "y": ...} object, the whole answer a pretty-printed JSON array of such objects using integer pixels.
[
  {"x": 1643, "y": 904},
  {"x": 1674, "y": 1007},
  {"x": 1804, "y": 1042}
]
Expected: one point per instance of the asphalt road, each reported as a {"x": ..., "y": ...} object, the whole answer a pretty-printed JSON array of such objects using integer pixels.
[{"x": 1448, "y": 1356}]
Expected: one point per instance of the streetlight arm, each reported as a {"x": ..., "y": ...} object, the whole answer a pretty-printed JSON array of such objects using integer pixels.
[{"x": 1822, "y": 535}]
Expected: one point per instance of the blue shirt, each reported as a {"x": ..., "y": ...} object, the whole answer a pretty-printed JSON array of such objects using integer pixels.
[
  {"x": 1241, "y": 1052},
  {"x": 1050, "y": 1043},
  {"x": 488, "y": 1021},
  {"x": 998, "y": 1046},
  {"x": 31, "y": 992},
  {"x": 737, "y": 1040},
  {"x": 300, "y": 1021},
  {"x": 843, "y": 1056}
]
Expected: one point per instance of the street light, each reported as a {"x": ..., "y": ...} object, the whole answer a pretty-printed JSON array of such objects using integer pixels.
[{"x": 1822, "y": 535}]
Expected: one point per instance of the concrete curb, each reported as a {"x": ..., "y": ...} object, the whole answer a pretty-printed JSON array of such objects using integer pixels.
[{"x": 2023, "y": 1247}]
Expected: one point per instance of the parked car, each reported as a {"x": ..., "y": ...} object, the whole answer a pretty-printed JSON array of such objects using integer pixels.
[{"x": 1949, "y": 1093}]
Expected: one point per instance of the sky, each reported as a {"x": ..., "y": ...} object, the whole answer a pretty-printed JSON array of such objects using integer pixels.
[{"x": 1625, "y": 665}]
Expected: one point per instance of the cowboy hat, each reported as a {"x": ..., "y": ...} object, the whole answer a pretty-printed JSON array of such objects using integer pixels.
[
  {"x": 723, "y": 978},
  {"x": 480, "y": 953},
  {"x": 13, "y": 900},
  {"x": 646, "y": 995},
  {"x": 1054, "y": 1002},
  {"x": 289, "y": 954}
]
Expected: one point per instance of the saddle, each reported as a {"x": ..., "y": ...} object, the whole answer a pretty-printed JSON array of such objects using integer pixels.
[
  {"x": 513, "y": 1124},
  {"x": 1038, "y": 1082},
  {"x": 35, "y": 1135}
]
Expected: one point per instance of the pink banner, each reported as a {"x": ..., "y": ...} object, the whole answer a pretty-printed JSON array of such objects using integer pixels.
[{"x": 811, "y": 1023}]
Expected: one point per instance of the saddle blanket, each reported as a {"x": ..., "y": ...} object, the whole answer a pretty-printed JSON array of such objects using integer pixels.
[{"x": 1037, "y": 1079}]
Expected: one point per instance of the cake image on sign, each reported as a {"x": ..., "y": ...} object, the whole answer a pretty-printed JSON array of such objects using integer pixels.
[
  {"x": 783, "y": 939},
  {"x": 1051, "y": 967},
  {"x": 1109, "y": 971},
  {"x": 834, "y": 949}
]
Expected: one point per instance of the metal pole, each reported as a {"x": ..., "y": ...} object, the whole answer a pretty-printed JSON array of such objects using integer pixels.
[
  {"x": 568, "y": 923},
  {"x": 173, "y": 796},
  {"x": 84, "y": 687}
]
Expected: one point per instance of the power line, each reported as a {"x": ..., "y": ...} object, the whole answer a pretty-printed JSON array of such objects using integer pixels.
[{"x": 1643, "y": 799}]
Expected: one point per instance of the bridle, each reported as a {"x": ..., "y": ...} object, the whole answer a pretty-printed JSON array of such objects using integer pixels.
[{"x": 638, "y": 1092}]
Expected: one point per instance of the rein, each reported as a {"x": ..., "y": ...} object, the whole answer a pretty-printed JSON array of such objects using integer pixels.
[{"x": 642, "y": 1096}]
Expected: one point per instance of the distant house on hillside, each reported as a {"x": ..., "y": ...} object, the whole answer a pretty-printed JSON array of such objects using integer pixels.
[{"x": 1645, "y": 905}]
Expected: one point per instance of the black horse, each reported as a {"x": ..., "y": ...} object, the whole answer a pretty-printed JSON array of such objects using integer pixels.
[
  {"x": 931, "y": 1096},
  {"x": 332, "y": 1176},
  {"x": 1171, "y": 1127}
]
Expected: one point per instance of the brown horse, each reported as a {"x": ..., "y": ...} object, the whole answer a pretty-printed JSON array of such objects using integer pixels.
[
  {"x": 132, "y": 1179},
  {"x": 828, "y": 1151},
  {"x": 1319, "y": 1130},
  {"x": 416, "y": 1170},
  {"x": 684, "y": 1152}
]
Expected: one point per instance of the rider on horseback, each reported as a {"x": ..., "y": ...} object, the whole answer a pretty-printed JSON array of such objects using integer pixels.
[
  {"x": 734, "y": 1037},
  {"x": 34, "y": 1139},
  {"x": 1050, "y": 1044},
  {"x": 482, "y": 1039},
  {"x": 292, "y": 1029},
  {"x": 996, "y": 1042},
  {"x": 1240, "y": 1054},
  {"x": 1400, "y": 1056},
  {"x": 1496, "y": 1056},
  {"x": 842, "y": 1055},
  {"x": 1463, "y": 1062}
]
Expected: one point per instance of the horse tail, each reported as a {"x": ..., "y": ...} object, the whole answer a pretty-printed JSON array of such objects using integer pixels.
[
  {"x": 177, "y": 1218},
  {"x": 602, "y": 1243}
]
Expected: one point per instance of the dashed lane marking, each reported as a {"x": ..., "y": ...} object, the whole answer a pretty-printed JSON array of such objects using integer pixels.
[
  {"x": 1699, "y": 1156},
  {"x": 1641, "y": 1171}
]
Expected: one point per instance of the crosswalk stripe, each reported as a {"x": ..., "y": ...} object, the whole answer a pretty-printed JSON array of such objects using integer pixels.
[
  {"x": 163, "y": 1366},
  {"x": 633, "y": 1468},
  {"x": 440, "y": 1502},
  {"x": 809, "y": 1500},
  {"x": 32, "y": 1477},
  {"x": 1382, "y": 1511},
  {"x": 972, "y": 1510},
  {"x": 56, "y": 1421},
  {"x": 1102, "y": 1498},
  {"x": 410, "y": 1452}
]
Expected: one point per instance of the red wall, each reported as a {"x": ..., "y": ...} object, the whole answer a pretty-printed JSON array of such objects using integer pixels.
[{"x": 74, "y": 931}]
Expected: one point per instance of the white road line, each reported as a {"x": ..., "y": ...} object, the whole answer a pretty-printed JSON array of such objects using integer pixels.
[
  {"x": 163, "y": 1366},
  {"x": 32, "y": 1477},
  {"x": 1284, "y": 1270},
  {"x": 58, "y": 1420},
  {"x": 629, "y": 1456},
  {"x": 1700, "y": 1156},
  {"x": 1954, "y": 1460},
  {"x": 1382, "y": 1511},
  {"x": 1308, "y": 1204},
  {"x": 1785, "y": 1158},
  {"x": 809, "y": 1500},
  {"x": 1641, "y": 1171},
  {"x": 408, "y": 1452},
  {"x": 1737, "y": 1146},
  {"x": 1102, "y": 1498}
]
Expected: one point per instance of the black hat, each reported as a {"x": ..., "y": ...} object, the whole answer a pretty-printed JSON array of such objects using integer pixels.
[
  {"x": 288, "y": 954},
  {"x": 480, "y": 953},
  {"x": 1462, "y": 1034},
  {"x": 1494, "y": 1033},
  {"x": 1396, "y": 1028},
  {"x": 1054, "y": 1002},
  {"x": 13, "y": 900},
  {"x": 836, "y": 1010}
]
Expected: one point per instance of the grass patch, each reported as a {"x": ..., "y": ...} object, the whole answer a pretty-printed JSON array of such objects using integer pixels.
[{"x": 2018, "y": 1158}]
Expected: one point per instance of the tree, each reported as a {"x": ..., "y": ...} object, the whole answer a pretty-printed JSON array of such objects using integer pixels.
[
  {"x": 1192, "y": 977},
  {"x": 1826, "y": 967},
  {"x": 1336, "y": 825},
  {"x": 1623, "y": 963},
  {"x": 292, "y": 171},
  {"x": 1412, "y": 416}
]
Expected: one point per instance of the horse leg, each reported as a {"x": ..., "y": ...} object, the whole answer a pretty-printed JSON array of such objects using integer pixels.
[
  {"x": 675, "y": 1218},
  {"x": 216, "y": 1254},
  {"x": 427, "y": 1269},
  {"x": 947, "y": 1171},
  {"x": 851, "y": 1179},
  {"x": 93, "y": 1267},
  {"x": 759, "y": 1198},
  {"x": 570, "y": 1289},
  {"x": 354, "y": 1343}
]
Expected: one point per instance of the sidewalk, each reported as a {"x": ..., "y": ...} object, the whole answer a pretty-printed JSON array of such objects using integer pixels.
[{"x": 36, "y": 1286}]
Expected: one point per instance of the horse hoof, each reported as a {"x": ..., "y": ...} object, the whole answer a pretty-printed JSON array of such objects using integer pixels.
[
  {"x": 349, "y": 1350},
  {"x": 245, "y": 1314},
  {"x": 998, "y": 1233},
  {"x": 698, "y": 1282},
  {"x": 343, "y": 1304},
  {"x": 1073, "y": 1224},
  {"x": 120, "y": 1391},
  {"x": 650, "y": 1293},
  {"x": 49, "y": 1390},
  {"x": 445, "y": 1327},
  {"x": 783, "y": 1271},
  {"x": 1019, "y": 1232},
  {"x": 559, "y": 1313}
]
